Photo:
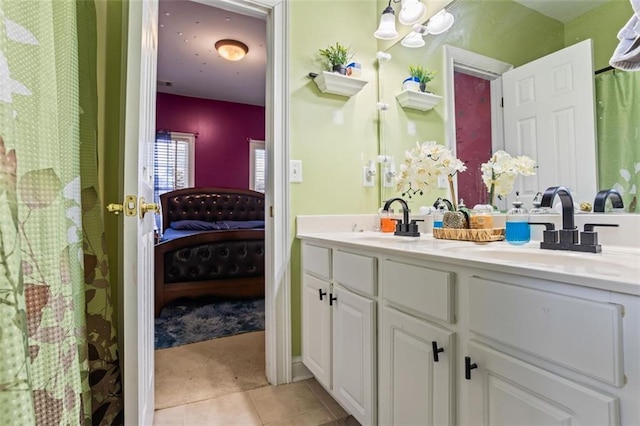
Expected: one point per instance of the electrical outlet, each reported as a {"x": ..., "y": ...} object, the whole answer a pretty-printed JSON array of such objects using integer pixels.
[
  {"x": 387, "y": 180},
  {"x": 367, "y": 178},
  {"x": 295, "y": 171}
]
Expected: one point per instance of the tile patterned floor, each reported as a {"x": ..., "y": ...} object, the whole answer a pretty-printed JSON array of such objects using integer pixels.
[{"x": 303, "y": 403}]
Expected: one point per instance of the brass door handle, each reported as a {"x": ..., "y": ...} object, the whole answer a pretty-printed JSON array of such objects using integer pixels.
[{"x": 147, "y": 207}]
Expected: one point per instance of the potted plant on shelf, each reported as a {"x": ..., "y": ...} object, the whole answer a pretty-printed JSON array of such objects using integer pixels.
[
  {"x": 421, "y": 76},
  {"x": 338, "y": 57}
]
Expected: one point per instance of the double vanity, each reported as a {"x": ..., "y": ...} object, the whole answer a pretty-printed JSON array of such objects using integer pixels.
[{"x": 421, "y": 331}]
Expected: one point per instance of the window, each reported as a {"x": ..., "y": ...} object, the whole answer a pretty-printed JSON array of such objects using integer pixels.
[
  {"x": 257, "y": 166},
  {"x": 173, "y": 162}
]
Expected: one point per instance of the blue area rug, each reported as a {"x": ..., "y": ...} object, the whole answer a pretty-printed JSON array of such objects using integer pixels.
[{"x": 195, "y": 320}]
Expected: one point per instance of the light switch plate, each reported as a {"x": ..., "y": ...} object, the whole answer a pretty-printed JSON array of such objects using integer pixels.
[
  {"x": 295, "y": 171},
  {"x": 443, "y": 183}
]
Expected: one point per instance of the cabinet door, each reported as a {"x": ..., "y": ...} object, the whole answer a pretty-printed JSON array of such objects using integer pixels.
[
  {"x": 506, "y": 391},
  {"x": 414, "y": 388},
  {"x": 316, "y": 328},
  {"x": 354, "y": 353}
]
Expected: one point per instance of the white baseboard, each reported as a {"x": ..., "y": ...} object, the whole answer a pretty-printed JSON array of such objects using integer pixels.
[{"x": 298, "y": 370}]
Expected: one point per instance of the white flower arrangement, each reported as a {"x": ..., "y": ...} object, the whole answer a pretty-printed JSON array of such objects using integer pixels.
[
  {"x": 422, "y": 167},
  {"x": 500, "y": 172}
]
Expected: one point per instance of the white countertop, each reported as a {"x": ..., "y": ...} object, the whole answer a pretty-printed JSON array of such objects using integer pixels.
[{"x": 615, "y": 269}]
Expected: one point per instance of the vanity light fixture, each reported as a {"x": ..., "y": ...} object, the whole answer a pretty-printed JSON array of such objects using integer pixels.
[
  {"x": 440, "y": 22},
  {"x": 387, "y": 28},
  {"x": 411, "y": 12},
  {"x": 413, "y": 39},
  {"x": 231, "y": 50}
]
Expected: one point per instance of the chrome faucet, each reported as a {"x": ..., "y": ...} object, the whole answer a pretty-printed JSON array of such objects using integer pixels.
[
  {"x": 405, "y": 228},
  {"x": 601, "y": 199},
  {"x": 568, "y": 235}
]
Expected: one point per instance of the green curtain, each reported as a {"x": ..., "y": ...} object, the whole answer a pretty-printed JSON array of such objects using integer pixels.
[
  {"x": 59, "y": 364},
  {"x": 618, "y": 112}
]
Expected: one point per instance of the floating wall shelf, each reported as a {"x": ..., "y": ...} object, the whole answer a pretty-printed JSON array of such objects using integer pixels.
[
  {"x": 338, "y": 84},
  {"x": 418, "y": 100}
]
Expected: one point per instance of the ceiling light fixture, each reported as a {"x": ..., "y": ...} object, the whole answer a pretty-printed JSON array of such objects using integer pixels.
[{"x": 231, "y": 50}]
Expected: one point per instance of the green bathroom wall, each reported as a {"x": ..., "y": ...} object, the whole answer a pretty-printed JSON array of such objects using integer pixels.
[
  {"x": 601, "y": 25},
  {"x": 334, "y": 136}
]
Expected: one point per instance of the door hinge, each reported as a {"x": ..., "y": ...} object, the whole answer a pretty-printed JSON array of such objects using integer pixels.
[
  {"x": 502, "y": 102},
  {"x": 270, "y": 211}
]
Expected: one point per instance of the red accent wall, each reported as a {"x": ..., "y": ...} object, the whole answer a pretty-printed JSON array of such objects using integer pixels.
[
  {"x": 473, "y": 135},
  {"x": 222, "y": 129}
]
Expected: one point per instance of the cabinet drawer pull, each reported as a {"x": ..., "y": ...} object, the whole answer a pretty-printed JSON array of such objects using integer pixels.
[
  {"x": 332, "y": 299},
  {"x": 322, "y": 293},
  {"x": 468, "y": 367},
  {"x": 436, "y": 351}
]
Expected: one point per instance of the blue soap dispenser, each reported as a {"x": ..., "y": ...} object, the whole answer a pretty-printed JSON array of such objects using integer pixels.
[{"x": 518, "y": 230}]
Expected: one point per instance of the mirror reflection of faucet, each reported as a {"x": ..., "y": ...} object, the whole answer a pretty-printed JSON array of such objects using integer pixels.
[
  {"x": 601, "y": 199},
  {"x": 568, "y": 237}
]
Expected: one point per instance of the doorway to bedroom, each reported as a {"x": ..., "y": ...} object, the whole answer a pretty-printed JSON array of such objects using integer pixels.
[{"x": 210, "y": 117}]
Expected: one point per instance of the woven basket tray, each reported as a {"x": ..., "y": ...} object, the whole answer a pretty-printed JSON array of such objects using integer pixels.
[{"x": 478, "y": 235}]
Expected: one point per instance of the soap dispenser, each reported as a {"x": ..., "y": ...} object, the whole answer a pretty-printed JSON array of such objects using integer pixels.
[
  {"x": 518, "y": 231},
  {"x": 438, "y": 216}
]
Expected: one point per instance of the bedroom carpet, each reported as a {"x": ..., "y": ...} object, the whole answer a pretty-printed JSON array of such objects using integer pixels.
[
  {"x": 209, "y": 369},
  {"x": 195, "y": 320}
]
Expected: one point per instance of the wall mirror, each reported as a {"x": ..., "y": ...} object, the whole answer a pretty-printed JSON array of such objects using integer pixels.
[{"x": 511, "y": 35}]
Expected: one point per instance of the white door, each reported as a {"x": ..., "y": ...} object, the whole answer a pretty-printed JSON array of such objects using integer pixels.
[
  {"x": 416, "y": 382},
  {"x": 549, "y": 115},
  {"x": 506, "y": 391},
  {"x": 137, "y": 241},
  {"x": 316, "y": 328},
  {"x": 354, "y": 349}
]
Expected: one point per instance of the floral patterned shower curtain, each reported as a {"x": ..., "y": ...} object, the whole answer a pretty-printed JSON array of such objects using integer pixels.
[
  {"x": 59, "y": 360},
  {"x": 618, "y": 109}
]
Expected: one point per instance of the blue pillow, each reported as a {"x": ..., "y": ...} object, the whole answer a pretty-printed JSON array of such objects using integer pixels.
[
  {"x": 195, "y": 225},
  {"x": 241, "y": 224}
]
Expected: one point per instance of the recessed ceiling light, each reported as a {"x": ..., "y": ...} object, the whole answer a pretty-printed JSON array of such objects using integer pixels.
[
  {"x": 179, "y": 32},
  {"x": 167, "y": 14}
]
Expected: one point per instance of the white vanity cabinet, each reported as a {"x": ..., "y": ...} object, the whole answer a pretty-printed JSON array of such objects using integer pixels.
[
  {"x": 504, "y": 390},
  {"x": 339, "y": 326},
  {"x": 316, "y": 323},
  {"x": 468, "y": 342},
  {"x": 543, "y": 351},
  {"x": 417, "y": 355}
]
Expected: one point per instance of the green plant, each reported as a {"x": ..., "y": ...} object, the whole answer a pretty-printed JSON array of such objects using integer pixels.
[
  {"x": 422, "y": 74},
  {"x": 337, "y": 55}
]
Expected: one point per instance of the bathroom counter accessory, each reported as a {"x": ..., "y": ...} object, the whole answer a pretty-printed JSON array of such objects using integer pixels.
[{"x": 477, "y": 235}]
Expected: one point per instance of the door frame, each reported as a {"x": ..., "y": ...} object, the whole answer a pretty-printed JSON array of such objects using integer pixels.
[
  {"x": 277, "y": 224},
  {"x": 457, "y": 59}
]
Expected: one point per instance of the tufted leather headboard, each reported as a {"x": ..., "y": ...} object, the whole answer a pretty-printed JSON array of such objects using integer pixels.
[{"x": 211, "y": 205}]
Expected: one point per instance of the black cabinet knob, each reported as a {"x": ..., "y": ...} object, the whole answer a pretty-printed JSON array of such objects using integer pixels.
[
  {"x": 468, "y": 367},
  {"x": 322, "y": 293},
  {"x": 436, "y": 351},
  {"x": 332, "y": 299}
]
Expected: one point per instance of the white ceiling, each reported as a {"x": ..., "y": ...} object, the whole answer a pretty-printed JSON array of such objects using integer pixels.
[{"x": 186, "y": 56}]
